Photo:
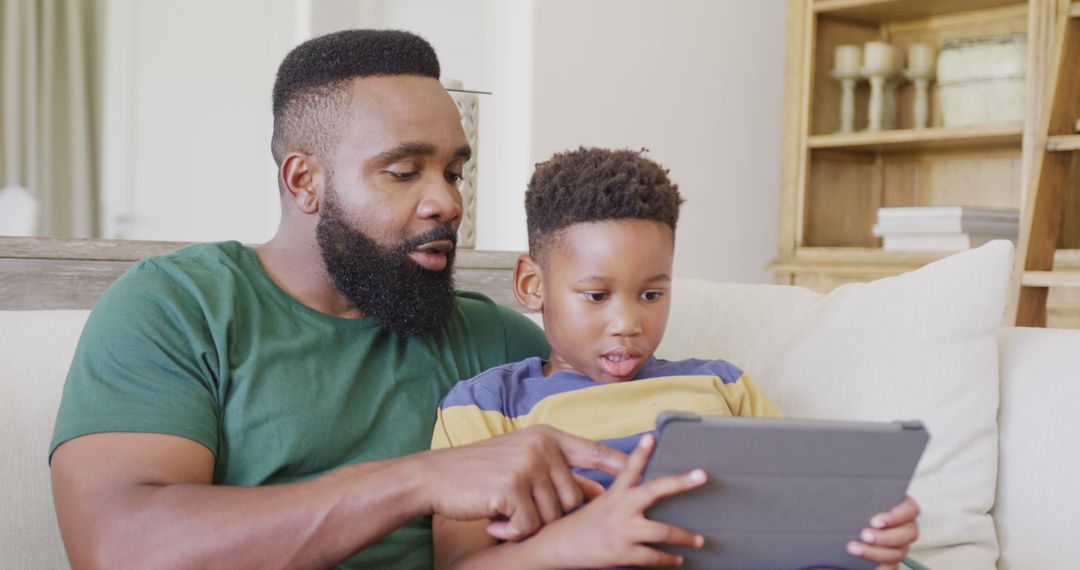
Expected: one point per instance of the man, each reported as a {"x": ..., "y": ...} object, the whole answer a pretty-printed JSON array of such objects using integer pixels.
[{"x": 236, "y": 407}]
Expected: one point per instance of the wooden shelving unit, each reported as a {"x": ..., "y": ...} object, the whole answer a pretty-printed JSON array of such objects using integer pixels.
[
  {"x": 833, "y": 183},
  {"x": 922, "y": 139}
]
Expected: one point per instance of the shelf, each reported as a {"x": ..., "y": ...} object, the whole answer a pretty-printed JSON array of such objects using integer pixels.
[
  {"x": 853, "y": 262},
  {"x": 1051, "y": 279},
  {"x": 885, "y": 10},
  {"x": 1063, "y": 143},
  {"x": 917, "y": 139}
]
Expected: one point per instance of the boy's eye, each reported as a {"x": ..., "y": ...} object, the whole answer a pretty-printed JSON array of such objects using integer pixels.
[
  {"x": 454, "y": 177},
  {"x": 595, "y": 296},
  {"x": 652, "y": 295}
]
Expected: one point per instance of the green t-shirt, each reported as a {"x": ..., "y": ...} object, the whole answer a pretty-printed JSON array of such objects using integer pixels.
[{"x": 200, "y": 343}]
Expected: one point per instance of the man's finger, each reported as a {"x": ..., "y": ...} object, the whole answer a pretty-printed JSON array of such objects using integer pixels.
[
  {"x": 589, "y": 489},
  {"x": 547, "y": 500},
  {"x": 500, "y": 529},
  {"x": 903, "y": 513},
  {"x": 524, "y": 520},
  {"x": 587, "y": 454},
  {"x": 635, "y": 465},
  {"x": 567, "y": 486}
]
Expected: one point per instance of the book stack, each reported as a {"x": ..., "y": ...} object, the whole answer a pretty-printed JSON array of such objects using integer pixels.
[{"x": 944, "y": 228}]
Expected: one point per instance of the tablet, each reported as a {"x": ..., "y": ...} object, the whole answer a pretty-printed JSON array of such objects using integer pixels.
[{"x": 781, "y": 494}]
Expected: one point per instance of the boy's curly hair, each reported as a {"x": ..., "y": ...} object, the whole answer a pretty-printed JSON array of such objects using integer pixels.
[{"x": 596, "y": 184}]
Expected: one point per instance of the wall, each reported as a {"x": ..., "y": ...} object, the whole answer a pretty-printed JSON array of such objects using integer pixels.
[
  {"x": 187, "y": 122},
  {"x": 697, "y": 82}
]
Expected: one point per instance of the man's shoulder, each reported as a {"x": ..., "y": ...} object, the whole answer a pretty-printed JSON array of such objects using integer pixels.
[
  {"x": 475, "y": 305},
  {"x": 198, "y": 258},
  {"x": 197, "y": 267}
]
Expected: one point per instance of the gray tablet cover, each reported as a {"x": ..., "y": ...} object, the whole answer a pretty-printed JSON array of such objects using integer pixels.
[{"x": 781, "y": 494}]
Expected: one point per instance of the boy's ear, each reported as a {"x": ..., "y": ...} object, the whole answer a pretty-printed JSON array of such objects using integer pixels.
[{"x": 527, "y": 278}]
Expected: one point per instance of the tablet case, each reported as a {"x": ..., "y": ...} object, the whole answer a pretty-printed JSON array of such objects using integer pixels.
[{"x": 781, "y": 494}]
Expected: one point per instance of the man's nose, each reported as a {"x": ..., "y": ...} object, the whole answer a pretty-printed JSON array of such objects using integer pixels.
[{"x": 441, "y": 200}]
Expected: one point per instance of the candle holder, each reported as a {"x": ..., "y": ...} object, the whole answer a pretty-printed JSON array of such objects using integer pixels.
[
  {"x": 921, "y": 112},
  {"x": 882, "y": 87},
  {"x": 847, "y": 78}
]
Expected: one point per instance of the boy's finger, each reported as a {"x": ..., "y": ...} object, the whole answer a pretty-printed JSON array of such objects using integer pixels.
[
  {"x": 661, "y": 533},
  {"x": 880, "y": 554},
  {"x": 905, "y": 512},
  {"x": 635, "y": 466},
  {"x": 651, "y": 557},
  {"x": 899, "y": 536},
  {"x": 657, "y": 489}
]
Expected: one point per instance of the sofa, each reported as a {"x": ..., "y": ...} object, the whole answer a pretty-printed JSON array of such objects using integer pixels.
[{"x": 999, "y": 481}]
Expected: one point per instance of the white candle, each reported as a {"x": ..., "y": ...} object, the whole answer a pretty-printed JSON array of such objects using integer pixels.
[
  {"x": 879, "y": 56},
  {"x": 847, "y": 57},
  {"x": 921, "y": 57}
]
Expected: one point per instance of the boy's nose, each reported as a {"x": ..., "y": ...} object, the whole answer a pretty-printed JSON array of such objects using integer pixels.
[{"x": 624, "y": 322}]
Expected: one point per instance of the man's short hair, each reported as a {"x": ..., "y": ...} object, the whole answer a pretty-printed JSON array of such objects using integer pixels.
[
  {"x": 312, "y": 87},
  {"x": 595, "y": 184}
]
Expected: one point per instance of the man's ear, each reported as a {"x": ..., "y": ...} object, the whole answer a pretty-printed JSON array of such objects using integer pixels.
[
  {"x": 299, "y": 173},
  {"x": 527, "y": 283}
]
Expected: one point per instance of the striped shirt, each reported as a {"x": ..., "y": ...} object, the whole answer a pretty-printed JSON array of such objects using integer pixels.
[{"x": 518, "y": 395}]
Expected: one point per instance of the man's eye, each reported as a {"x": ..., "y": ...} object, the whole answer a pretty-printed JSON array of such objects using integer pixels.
[
  {"x": 454, "y": 177},
  {"x": 652, "y": 295},
  {"x": 595, "y": 296},
  {"x": 409, "y": 175}
]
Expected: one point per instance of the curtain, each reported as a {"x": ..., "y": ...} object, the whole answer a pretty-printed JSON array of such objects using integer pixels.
[{"x": 50, "y": 109}]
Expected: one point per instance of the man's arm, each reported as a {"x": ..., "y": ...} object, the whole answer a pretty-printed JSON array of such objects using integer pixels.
[{"x": 129, "y": 500}]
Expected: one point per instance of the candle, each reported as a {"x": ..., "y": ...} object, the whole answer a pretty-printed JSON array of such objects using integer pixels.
[
  {"x": 847, "y": 58},
  {"x": 921, "y": 57},
  {"x": 879, "y": 56}
]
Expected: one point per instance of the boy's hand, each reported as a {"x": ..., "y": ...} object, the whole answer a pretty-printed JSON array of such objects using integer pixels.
[
  {"x": 612, "y": 530},
  {"x": 889, "y": 537}
]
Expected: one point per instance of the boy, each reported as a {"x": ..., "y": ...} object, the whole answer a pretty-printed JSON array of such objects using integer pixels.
[{"x": 601, "y": 239}]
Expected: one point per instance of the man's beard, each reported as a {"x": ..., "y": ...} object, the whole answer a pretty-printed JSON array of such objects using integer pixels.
[{"x": 382, "y": 282}]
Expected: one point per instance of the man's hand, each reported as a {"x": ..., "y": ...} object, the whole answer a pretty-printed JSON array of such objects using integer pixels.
[
  {"x": 521, "y": 480},
  {"x": 889, "y": 537}
]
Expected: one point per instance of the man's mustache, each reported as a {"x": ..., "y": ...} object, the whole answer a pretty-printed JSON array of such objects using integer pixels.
[{"x": 443, "y": 232}]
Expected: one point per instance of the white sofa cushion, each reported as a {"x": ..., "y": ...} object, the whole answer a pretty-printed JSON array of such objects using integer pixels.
[
  {"x": 35, "y": 351},
  {"x": 1038, "y": 505},
  {"x": 916, "y": 346}
]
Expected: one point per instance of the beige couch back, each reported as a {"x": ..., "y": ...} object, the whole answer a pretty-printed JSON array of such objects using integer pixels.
[{"x": 35, "y": 350}]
